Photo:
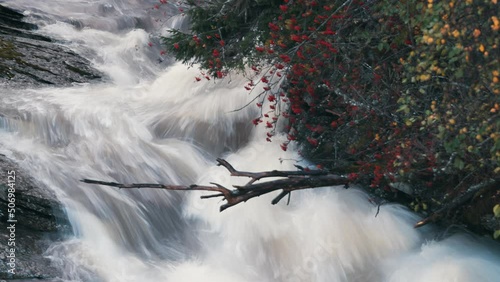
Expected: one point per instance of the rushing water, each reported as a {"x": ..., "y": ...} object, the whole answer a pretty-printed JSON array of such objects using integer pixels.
[{"x": 150, "y": 121}]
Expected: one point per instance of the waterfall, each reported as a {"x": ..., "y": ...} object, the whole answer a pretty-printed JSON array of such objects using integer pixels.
[{"x": 151, "y": 121}]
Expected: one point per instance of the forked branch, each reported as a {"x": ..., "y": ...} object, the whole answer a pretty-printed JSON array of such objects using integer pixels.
[{"x": 291, "y": 180}]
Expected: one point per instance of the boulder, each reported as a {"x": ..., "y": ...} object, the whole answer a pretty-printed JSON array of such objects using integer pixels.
[
  {"x": 38, "y": 221},
  {"x": 28, "y": 59}
]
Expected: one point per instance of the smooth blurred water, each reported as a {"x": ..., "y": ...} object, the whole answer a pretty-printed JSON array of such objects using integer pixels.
[{"x": 150, "y": 121}]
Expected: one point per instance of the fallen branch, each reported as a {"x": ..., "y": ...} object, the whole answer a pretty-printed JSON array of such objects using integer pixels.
[{"x": 293, "y": 180}]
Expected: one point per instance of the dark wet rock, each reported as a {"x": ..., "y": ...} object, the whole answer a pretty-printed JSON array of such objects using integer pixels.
[
  {"x": 40, "y": 221},
  {"x": 29, "y": 59},
  {"x": 10, "y": 20}
]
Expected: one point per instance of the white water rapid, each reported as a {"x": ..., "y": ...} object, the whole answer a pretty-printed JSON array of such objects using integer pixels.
[{"x": 150, "y": 121}]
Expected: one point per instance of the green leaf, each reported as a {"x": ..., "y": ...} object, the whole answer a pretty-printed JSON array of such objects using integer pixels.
[
  {"x": 404, "y": 108},
  {"x": 448, "y": 147},
  {"x": 454, "y": 52},
  {"x": 496, "y": 210},
  {"x": 441, "y": 130},
  {"x": 459, "y": 163},
  {"x": 496, "y": 235}
]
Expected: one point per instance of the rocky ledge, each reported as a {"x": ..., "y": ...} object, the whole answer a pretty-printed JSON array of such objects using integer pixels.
[
  {"x": 28, "y": 59},
  {"x": 31, "y": 219}
]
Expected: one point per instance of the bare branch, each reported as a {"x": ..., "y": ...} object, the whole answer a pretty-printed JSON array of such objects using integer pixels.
[
  {"x": 217, "y": 188},
  {"x": 293, "y": 180},
  {"x": 259, "y": 175}
]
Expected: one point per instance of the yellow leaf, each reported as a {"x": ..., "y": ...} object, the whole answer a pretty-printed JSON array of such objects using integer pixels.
[
  {"x": 495, "y": 20},
  {"x": 496, "y": 23},
  {"x": 496, "y": 235},
  {"x": 496, "y": 210},
  {"x": 476, "y": 33},
  {"x": 425, "y": 77}
]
